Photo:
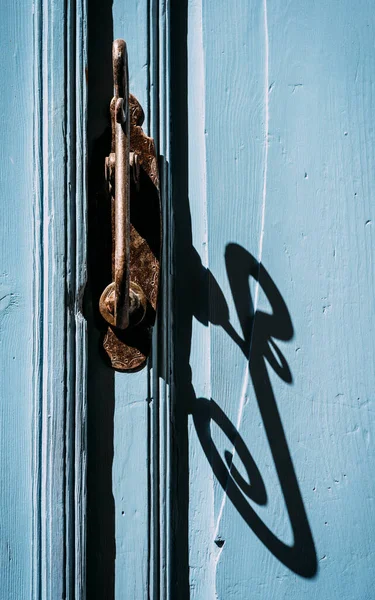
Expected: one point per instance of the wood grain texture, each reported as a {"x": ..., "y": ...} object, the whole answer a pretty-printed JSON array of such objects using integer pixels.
[
  {"x": 59, "y": 506},
  {"x": 42, "y": 462},
  {"x": 130, "y": 464},
  {"x": 280, "y": 110},
  {"x": 16, "y": 293},
  {"x": 251, "y": 478},
  {"x": 160, "y": 457},
  {"x": 123, "y": 408}
]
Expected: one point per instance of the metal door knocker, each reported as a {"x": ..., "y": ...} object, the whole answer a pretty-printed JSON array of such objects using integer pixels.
[{"x": 128, "y": 303}]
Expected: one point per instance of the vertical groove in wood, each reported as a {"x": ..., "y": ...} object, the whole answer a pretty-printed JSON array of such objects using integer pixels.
[
  {"x": 80, "y": 235},
  {"x": 38, "y": 301},
  {"x": 59, "y": 278},
  {"x": 160, "y": 466},
  {"x": 165, "y": 339},
  {"x": 182, "y": 295},
  {"x": 156, "y": 399},
  {"x": 160, "y": 456}
]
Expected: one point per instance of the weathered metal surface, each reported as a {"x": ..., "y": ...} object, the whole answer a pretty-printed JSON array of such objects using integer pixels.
[
  {"x": 129, "y": 303},
  {"x": 114, "y": 302}
]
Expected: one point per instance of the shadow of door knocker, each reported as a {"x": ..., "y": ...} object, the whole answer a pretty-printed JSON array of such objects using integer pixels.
[{"x": 258, "y": 345}]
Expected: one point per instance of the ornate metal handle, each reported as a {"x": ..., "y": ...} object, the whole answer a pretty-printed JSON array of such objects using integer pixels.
[
  {"x": 128, "y": 303},
  {"x": 121, "y": 297}
]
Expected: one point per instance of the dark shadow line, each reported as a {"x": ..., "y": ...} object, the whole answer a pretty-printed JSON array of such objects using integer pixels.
[
  {"x": 100, "y": 544},
  {"x": 181, "y": 391}
]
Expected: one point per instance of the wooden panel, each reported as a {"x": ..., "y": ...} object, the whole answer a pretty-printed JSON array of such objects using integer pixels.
[
  {"x": 123, "y": 418},
  {"x": 16, "y": 287},
  {"x": 280, "y": 152},
  {"x": 42, "y": 462},
  {"x": 59, "y": 280},
  {"x": 132, "y": 396}
]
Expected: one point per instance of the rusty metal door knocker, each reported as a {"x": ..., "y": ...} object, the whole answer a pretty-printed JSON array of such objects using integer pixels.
[{"x": 128, "y": 303}]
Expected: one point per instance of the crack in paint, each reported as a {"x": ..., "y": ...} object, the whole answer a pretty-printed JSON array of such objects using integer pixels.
[{"x": 267, "y": 91}]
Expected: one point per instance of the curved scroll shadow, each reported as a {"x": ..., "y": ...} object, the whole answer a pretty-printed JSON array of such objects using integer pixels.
[
  {"x": 259, "y": 331},
  {"x": 197, "y": 294}
]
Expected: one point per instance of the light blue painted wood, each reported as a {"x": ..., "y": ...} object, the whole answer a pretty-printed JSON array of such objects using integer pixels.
[
  {"x": 270, "y": 150},
  {"x": 16, "y": 292},
  {"x": 132, "y": 396},
  {"x": 42, "y": 462},
  {"x": 280, "y": 107},
  {"x": 59, "y": 279},
  {"x": 163, "y": 337},
  {"x": 123, "y": 409}
]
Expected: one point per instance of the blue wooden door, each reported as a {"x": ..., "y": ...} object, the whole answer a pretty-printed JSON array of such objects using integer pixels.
[
  {"x": 127, "y": 423},
  {"x": 42, "y": 273},
  {"x": 273, "y": 398},
  {"x": 238, "y": 464}
]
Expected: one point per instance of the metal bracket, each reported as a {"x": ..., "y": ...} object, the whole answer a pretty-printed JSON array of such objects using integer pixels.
[{"x": 128, "y": 303}]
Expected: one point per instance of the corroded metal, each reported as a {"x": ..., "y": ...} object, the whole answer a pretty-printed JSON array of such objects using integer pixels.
[
  {"x": 129, "y": 302},
  {"x": 114, "y": 303}
]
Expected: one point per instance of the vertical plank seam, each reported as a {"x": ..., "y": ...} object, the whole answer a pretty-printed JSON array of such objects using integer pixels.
[
  {"x": 80, "y": 322},
  {"x": 166, "y": 328},
  {"x": 37, "y": 296},
  {"x": 155, "y": 414},
  {"x": 160, "y": 527},
  {"x": 58, "y": 461}
]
